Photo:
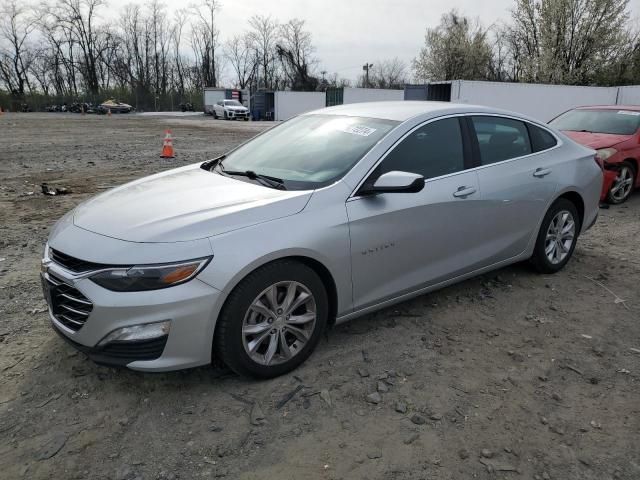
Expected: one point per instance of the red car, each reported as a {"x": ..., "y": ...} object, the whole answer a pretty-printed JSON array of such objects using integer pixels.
[{"x": 614, "y": 132}]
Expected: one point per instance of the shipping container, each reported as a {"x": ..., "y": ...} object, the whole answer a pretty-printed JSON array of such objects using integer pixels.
[
  {"x": 288, "y": 104},
  {"x": 541, "y": 101}
]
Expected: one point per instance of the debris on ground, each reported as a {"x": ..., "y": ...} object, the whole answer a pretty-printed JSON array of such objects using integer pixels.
[{"x": 52, "y": 191}]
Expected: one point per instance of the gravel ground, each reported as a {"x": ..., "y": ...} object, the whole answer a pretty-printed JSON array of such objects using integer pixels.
[{"x": 506, "y": 376}]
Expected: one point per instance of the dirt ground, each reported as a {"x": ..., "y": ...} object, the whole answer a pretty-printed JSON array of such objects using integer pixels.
[{"x": 506, "y": 376}]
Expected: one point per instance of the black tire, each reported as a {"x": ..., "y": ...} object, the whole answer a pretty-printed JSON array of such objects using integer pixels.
[
  {"x": 539, "y": 259},
  {"x": 215, "y": 115},
  {"x": 616, "y": 201},
  {"x": 228, "y": 343}
]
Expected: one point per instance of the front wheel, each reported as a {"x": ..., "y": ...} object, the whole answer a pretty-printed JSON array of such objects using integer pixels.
[
  {"x": 557, "y": 237},
  {"x": 622, "y": 187},
  {"x": 272, "y": 320}
]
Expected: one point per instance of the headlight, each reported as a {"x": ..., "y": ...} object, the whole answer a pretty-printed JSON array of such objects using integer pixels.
[
  {"x": 149, "y": 277},
  {"x": 605, "y": 153}
]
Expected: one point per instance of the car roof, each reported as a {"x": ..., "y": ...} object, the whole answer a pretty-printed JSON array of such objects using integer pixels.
[
  {"x": 405, "y": 109},
  {"x": 633, "y": 108}
]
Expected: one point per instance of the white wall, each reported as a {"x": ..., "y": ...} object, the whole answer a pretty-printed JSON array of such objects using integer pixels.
[
  {"x": 629, "y": 95},
  {"x": 359, "y": 95},
  {"x": 543, "y": 102},
  {"x": 290, "y": 104}
]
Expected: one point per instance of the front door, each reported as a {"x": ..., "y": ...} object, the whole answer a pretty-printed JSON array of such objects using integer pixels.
[{"x": 401, "y": 242}]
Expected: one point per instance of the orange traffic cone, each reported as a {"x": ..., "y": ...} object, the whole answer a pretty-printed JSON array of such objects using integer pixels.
[{"x": 167, "y": 145}]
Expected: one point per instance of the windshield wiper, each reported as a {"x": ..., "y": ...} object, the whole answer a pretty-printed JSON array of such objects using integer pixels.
[{"x": 266, "y": 180}]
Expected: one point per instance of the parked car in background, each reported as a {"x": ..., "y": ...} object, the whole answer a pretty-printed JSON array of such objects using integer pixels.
[
  {"x": 230, "y": 110},
  {"x": 614, "y": 132},
  {"x": 326, "y": 217},
  {"x": 114, "y": 106}
]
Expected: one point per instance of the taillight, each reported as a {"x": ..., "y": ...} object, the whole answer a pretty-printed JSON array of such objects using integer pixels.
[{"x": 599, "y": 161}]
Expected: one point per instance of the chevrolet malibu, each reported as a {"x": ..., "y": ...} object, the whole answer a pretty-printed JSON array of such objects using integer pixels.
[{"x": 333, "y": 214}]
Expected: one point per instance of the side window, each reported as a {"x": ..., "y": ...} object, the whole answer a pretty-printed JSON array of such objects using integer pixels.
[
  {"x": 432, "y": 150},
  {"x": 540, "y": 138},
  {"x": 501, "y": 139},
  {"x": 220, "y": 102}
]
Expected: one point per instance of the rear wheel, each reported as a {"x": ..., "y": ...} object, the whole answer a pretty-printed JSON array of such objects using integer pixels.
[
  {"x": 272, "y": 320},
  {"x": 623, "y": 185},
  {"x": 215, "y": 115},
  {"x": 557, "y": 237}
]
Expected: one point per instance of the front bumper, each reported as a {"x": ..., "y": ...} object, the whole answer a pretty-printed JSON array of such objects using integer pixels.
[
  {"x": 232, "y": 114},
  {"x": 609, "y": 179},
  {"x": 191, "y": 308},
  {"x": 118, "y": 354}
]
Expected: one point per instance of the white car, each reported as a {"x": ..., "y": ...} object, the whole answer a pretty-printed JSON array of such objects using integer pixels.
[{"x": 230, "y": 109}]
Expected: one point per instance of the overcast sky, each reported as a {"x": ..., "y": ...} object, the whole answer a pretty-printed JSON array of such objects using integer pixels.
[{"x": 349, "y": 33}]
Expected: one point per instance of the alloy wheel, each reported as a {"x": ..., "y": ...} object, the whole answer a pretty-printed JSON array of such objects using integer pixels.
[
  {"x": 279, "y": 323},
  {"x": 560, "y": 237},
  {"x": 623, "y": 184}
]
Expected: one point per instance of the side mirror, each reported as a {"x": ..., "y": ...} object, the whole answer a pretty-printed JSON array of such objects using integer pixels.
[{"x": 395, "y": 182}]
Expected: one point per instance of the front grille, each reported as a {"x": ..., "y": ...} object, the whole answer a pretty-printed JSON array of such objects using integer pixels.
[
  {"x": 138, "y": 350},
  {"x": 70, "y": 307},
  {"x": 74, "y": 264}
]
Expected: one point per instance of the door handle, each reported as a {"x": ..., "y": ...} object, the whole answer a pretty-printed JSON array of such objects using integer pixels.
[
  {"x": 464, "y": 192},
  {"x": 541, "y": 172}
]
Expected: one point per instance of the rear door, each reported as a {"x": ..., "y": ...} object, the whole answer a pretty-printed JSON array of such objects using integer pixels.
[
  {"x": 518, "y": 178},
  {"x": 401, "y": 242}
]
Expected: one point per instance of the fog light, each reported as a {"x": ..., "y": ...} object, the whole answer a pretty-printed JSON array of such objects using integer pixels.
[{"x": 134, "y": 333}]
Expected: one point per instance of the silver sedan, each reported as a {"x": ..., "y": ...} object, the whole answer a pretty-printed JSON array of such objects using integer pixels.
[{"x": 326, "y": 217}]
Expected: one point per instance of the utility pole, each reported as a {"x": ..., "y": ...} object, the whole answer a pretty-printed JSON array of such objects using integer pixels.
[{"x": 366, "y": 68}]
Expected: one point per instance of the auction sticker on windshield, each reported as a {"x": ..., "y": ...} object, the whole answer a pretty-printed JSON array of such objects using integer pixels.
[
  {"x": 361, "y": 130},
  {"x": 628, "y": 112}
]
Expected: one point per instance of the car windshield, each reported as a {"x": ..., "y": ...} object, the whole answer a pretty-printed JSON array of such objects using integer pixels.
[
  {"x": 619, "y": 122},
  {"x": 232, "y": 103},
  {"x": 309, "y": 151}
]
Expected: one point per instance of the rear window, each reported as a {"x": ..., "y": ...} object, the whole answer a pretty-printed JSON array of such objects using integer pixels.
[
  {"x": 541, "y": 139},
  {"x": 617, "y": 122},
  {"x": 501, "y": 139}
]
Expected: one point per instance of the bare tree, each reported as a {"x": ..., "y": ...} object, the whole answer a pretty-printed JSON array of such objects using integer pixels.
[
  {"x": 390, "y": 73},
  {"x": 239, "y": 54},
  {"x": 456, "y": 49},
  {"x": 179, "y": 62},
  {"x": 264, "y": 37},
  {"x": 16, "y": 25},
  {"x": 205, "y": 39},
  {"x": 78, "y": 18},
  {"x": 295, "y": 52}
]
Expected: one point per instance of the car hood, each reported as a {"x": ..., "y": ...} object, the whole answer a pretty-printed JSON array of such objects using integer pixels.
[
  {"x": 237, "y": 108},
  {"x": 184, "y": 204},
  {"x": 596, "y": 140}
]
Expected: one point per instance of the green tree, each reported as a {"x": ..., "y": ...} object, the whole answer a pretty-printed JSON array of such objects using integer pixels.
[
  {"x": 568, "y": 41},
  {"x": 457, "y": 48}
]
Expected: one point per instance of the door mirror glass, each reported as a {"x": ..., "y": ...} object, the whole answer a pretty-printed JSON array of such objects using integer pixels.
[{"x": 395, "y": 182}]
